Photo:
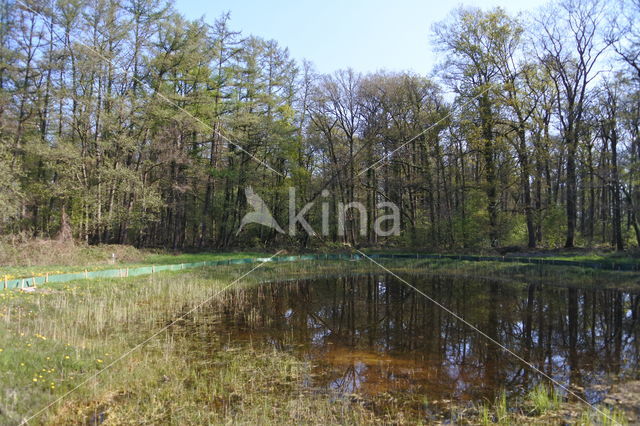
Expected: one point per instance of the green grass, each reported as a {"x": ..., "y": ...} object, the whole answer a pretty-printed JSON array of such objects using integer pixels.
[
  {"x": 164, "y": 258},
  {"x": 544, "y": 399},
  {"x": 608, "y": 259},
  {"x": 542, "y": 405},
  {"x": 94, "y": 259},
  {"x": 54, "y": 339},
  {"x": 501, "y": 409},
  {"x": 531, "y": 273},
  {"x": 605, "y": 417},
  {"x": 605, "y": 259},
  {"x": 39, "y": 257}
]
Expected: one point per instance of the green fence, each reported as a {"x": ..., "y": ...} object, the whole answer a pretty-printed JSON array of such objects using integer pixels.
[{"x": 146, "y": 270}]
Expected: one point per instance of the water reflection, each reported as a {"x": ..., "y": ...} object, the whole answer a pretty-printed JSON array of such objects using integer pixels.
[{"x": 372, "y": 334}]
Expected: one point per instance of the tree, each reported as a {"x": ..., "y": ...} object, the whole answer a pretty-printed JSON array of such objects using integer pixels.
[
  {"x": 476, "y": 44},
  {"x": 569, "y": 46}
]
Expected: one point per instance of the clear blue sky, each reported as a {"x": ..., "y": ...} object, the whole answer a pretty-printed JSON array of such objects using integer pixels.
[{"x": 366, "y": 35}]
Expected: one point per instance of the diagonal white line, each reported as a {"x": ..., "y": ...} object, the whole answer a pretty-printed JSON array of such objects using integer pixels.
[
  {"x": 156, "y": 92},
  {"x": 491, "y": 339},
  {"x": 141, "y": 344},
  {"x": 389, "y": 154}
]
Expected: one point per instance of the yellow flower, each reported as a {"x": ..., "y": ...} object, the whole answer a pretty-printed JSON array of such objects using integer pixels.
[
  {"x": 1, "y": 349},
  {"x": 22, "y": 364},
  {"x": 99, "y": 360},
  {"x": 35, "y": 380},
  {"x": 66, "y": 357}
]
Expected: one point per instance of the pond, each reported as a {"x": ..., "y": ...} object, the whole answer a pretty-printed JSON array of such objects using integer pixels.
[{"x": 372, "y": 334}]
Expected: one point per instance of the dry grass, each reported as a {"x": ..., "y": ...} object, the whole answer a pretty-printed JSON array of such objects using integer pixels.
[
  {"x": 53, "y": 341},
  {"x": 38, "y": 252}
]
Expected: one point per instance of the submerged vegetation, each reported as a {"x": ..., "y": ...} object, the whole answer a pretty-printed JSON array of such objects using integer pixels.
[
  {"x": 55, "y": 338},
  {"x": 58, "y": 337},
  {"x": 127, "y": 130}
]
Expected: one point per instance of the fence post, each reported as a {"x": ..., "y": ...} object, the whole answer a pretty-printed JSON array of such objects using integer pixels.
[
  {"x": 5, "y": 281},
  {"x": 127, "y": 275},
  {"x": 46, "y": 277},
  {"x": 33, "y": 281},
  {"x": 153, "y": 269},
  {"x": 86, "y": 274}
]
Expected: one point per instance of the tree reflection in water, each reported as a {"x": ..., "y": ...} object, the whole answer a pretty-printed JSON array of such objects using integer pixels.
[{"x": 371, "y": 334}]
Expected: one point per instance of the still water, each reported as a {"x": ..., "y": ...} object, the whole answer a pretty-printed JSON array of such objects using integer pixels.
[{"x": 372, "y": 334}]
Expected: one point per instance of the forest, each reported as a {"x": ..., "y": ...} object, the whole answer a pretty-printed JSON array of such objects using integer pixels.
[{"x": 124, "y": 122}]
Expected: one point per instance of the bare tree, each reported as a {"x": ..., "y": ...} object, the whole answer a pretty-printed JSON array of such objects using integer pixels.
[{"x": 570, "y": 46}]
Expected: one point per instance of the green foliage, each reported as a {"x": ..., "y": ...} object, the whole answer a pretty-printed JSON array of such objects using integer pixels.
[
  {"x": 151, "y": 133},
  {"x": 10, "y": 191},
  {"x": 554, "y": 224},
  {"x": 471, "y": 229}
]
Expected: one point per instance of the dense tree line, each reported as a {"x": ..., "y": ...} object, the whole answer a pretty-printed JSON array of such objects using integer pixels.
[{"x": 124, "y": 122}]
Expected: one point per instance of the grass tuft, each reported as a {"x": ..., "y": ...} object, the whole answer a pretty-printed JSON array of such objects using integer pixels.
[{"x": 543, "y": 399}]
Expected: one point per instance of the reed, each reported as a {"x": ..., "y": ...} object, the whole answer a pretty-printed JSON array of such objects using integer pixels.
[
  {"x": 55, "y": 338},
  {"x": 543, "y": 399}
]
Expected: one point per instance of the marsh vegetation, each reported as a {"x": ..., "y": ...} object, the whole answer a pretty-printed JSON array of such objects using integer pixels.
[{"x": 337, "y": 342}]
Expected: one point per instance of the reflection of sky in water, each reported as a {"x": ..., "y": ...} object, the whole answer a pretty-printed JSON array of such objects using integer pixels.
[{"x": 372, "y": 334}]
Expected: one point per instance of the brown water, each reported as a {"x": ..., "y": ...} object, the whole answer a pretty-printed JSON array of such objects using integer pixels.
[{"x": 371, "y": 334}]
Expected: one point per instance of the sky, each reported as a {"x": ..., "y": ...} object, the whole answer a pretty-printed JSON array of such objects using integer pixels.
[{"x": 366, "y": 35}]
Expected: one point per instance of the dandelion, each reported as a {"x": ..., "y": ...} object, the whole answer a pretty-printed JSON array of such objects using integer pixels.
[
  {"x": 35, "y": 379},
  {"x": 66, "y": 357},
  {"x": 99, "y": 360},
  {"x": 22, "y": 364},
  {"x": 1, "y": 349}
]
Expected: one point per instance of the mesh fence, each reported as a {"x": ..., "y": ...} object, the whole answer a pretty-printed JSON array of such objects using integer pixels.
[{"x": 146, "y": 270}]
